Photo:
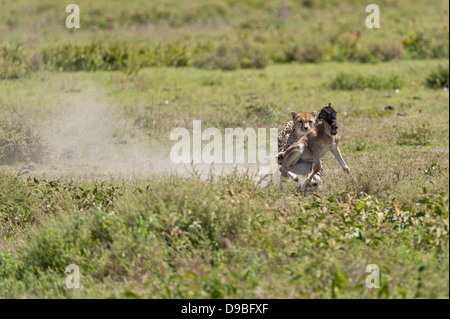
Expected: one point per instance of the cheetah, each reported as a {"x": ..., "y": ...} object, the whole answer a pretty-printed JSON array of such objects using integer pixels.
[
  {"x": 293, "y": 130},
  {"x": 307, "y": 152}
]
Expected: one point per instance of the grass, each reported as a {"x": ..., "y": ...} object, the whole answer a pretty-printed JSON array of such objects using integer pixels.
[
  {"x": 20, "y": 140},
  {"x": 220, "y": 244},
  {"x": 26, "y": 201},
  {"x": 85, "y": 118},
  {"x": 230, "y": 236},
  {"x": 214, "y": 34},
  {"x": 350, "y": 82},
  {"x": 418, "y": 134}
]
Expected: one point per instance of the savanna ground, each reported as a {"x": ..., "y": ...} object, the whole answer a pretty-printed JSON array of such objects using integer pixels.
[{"x": 86, "y": 178}]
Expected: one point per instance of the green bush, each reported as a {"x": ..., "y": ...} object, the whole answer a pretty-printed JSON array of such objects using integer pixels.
[
  {"x": 171, "y": 54},
  {"x": 310, "y": 52},
  {"x": 350, "y": 82},
  {"x": 20, "y": 140},
  {"x": 416, "y": 45},
  {"x": 386, "y": 50},
  {"x": 252, "y": 55},
  {"x": 90, "y": 57},
  {"x": 347, "y": 46},
  {"x": 14, "y": 63},
  {"x": 341, "y": 53},
  {"x": 438, "y": 78}
]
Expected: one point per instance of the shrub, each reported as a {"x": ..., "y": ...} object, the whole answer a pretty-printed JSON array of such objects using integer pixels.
[
  {"x": 358, "y": 53},
  {"x": 308, "y": 51},
  {"x": 346, "y": 47},
  {"x": 438, "y": 78},
  {"x": 221, "y": 58},
  {"x": 416, "y": 45},
  {"x": 386, "y": 51},
  {"x": 20, "y": 140},
  {"x": 252, "y": 56},
  {"x": 175, "y": 54},
  {"x": 90, "y": 57},
  {"x": 14, "y": 63},
  {"x": 349, "y": 82},
  {"x": 364, "y": 55},
  {"x": 439, "y": 47}
]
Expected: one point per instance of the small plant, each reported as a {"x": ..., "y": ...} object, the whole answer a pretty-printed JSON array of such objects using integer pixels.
[
  {"x": 360, "y": 146},
  {"x": 438, "y": 78},
  {"x": 432, "y": 169}
]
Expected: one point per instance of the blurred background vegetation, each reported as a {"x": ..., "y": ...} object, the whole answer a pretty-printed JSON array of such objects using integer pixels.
[{"x": 223, "y": 34}]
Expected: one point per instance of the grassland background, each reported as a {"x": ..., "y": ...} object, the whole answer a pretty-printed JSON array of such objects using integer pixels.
[{"x": 85, "y": 117}]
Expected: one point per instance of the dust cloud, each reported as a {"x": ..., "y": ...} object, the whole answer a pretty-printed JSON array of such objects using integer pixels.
[{"x": 85, "y": 140}]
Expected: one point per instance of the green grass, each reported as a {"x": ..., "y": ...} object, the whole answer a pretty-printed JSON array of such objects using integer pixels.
[
  {"x": 350, "y": 82},
  {"x": 235, "y": 239},
  {"x": 231, "y": 236},
  {"x": 24, "y": 202},
  {"x": 85, "y": 118}
]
